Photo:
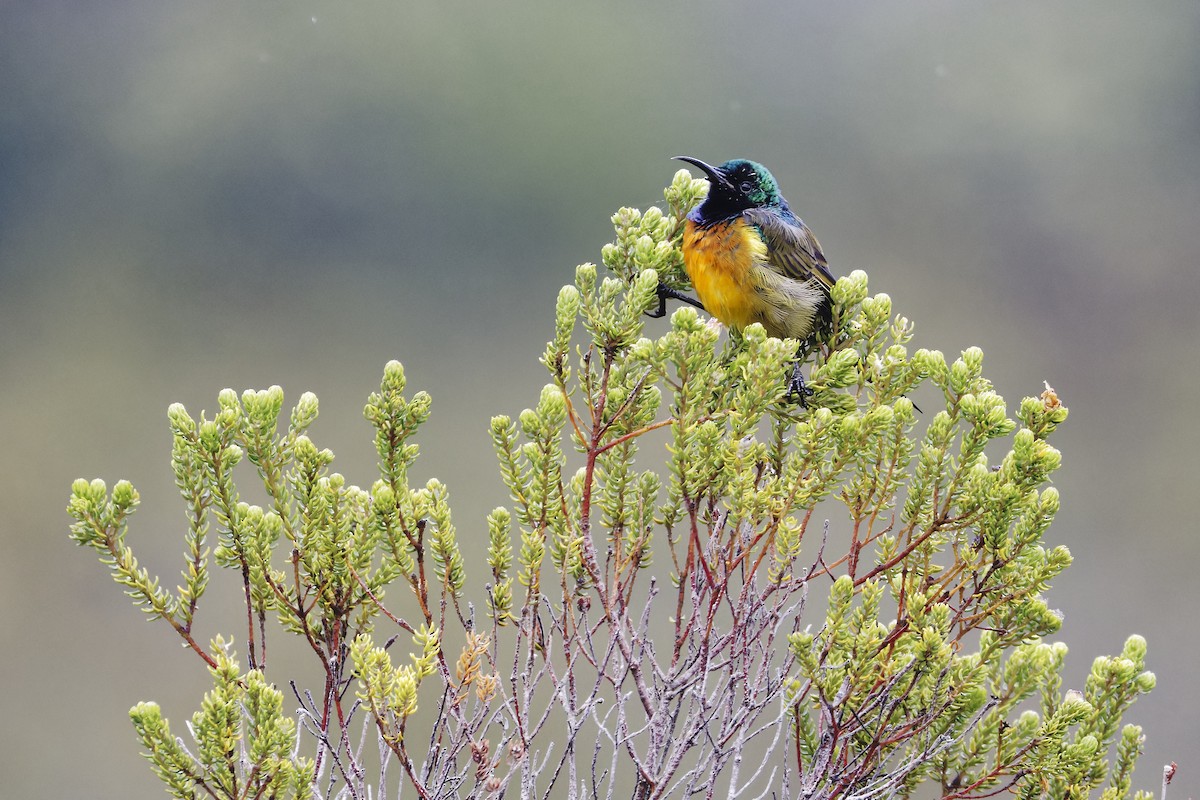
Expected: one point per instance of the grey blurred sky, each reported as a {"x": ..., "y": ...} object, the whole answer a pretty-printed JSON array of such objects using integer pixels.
[{"x": 200, "y": 195}]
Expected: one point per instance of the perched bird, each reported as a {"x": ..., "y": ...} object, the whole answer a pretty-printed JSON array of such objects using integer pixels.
[{"x": 751, "y": 259}]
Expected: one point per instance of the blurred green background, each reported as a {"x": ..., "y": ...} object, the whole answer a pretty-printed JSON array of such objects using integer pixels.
[{"x": 202, "y": 195}]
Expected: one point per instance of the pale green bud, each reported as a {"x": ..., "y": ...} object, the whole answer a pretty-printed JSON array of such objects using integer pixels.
[
  {"x": 585, "y": 277},
  {"x": 124, "y": 495},
  {"x": 940, "y": 428},
  {"x": 877, "y": 309},
  {"x": 1049, "y": 502},
  {"x": 210, "y": 436},
  {"x": 685, "y": 320},
  {"x": 895, "y": 354},
  {"x": 275, "y": 398},
  {"x": 973, "y": 358},
  {"x": 850, "y": 289},
  {"x": 227, "y": 418},
  {"x": 566, "y": 308},
  {"x": 263, "y": 407},
  {"x": 987, "y": 412},
  {"x": 754, "y": 334},
  {"x": 382, "y": 495},
  {"x": 840, "y": 370},
  {"x": 1124, "y": 669},
  {"x": 1049, "y": 458},
  {"x": 306, "y": 410},
  {"x": 842, "y": 591},
  {"x": 684, "y": 182},
  {"x": 647, "y": 281},
  {"x": 146, "y": 714},
  {"x": 1074, "y": 708},
  {"x": 1135, "y": 648},
  {"x": 393, "y": 377},
  {"x": 1022, "y": 446},
  {"x": 880, "y": 417},
  {"x": 304, "y": 449},
  {"x": 499, "y": 519},
  {"x": 530, "y": 422},
  {"x": 610, "y": 255},
  {"x": 1085, "y": 748},
  {"x": 1028, "y": 723},
  {"x": 253, "y": 402},
  {"x": 644, "y": 290},
  {"x": 611, "y": 287},
  {"x": 820, "y": 418},
  {"x": 642, "y": 350},
  {"x": 420, "y": 406},
  {"x": 930, "y": 363},
  {"x": 179, "y": 418},
  {"x": 552, "y": 406},
  {"x": 231, "y": 456},
  {"x": 273, "y": 524},
  {"x": 960, "y": 376},
  {"x": 626, "y": 217}
]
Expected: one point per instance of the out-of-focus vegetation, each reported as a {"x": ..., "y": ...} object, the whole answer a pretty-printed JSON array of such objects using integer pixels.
[{"x": 192, "y": 196}]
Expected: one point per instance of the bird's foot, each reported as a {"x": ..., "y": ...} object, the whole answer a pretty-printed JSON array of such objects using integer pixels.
[
  {"x": 797, "y": 389},
  {"x": 661, "y": 309},
  {"x": 666, "y": 292}
]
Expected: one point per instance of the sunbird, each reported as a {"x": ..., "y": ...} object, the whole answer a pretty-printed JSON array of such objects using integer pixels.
[{"x": 751, "y": 259}]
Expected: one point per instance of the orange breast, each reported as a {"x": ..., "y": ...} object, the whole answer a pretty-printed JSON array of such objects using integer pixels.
[{"x": 718, "y": 259}]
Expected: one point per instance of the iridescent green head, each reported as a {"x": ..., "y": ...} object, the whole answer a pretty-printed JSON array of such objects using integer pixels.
[{"x": 734, "y": 187}]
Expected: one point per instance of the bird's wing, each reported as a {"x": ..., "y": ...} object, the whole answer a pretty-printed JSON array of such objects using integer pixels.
[{"x": 792, "y": 249}]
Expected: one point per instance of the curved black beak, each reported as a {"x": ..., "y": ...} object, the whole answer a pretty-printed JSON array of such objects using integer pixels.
[{"x": 713, "y": 174}]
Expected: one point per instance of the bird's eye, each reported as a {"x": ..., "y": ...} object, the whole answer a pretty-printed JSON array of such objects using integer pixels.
[{"x": 747, "y": 187}]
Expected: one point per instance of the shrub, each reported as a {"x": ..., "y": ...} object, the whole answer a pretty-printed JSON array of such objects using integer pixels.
[{"x": 699, "y": 588}]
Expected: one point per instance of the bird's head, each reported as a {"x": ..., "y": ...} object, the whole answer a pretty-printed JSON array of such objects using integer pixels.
[{"x": 735, "y": 186}]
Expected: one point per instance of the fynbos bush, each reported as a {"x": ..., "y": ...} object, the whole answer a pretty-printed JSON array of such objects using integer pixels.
[{"x": 698, "y": 589}]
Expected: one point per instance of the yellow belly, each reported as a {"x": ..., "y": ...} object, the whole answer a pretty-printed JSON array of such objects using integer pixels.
[{"x": 718, "y": 259}]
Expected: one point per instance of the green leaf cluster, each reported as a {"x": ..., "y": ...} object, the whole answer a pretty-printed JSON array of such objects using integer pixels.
[
  {"x": 245, "y": 744},
  {"x": 649, "y": 240},
  {"x": 343, "y": 548}
]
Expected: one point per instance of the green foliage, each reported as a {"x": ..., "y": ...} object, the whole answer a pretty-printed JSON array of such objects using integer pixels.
[
  {"x": 245, "y": 743},
  {"x": 649, "y": 454},
  {"x": 344, "y": 548}
]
